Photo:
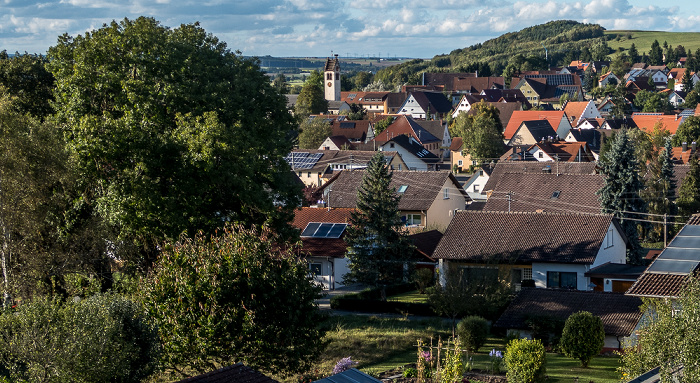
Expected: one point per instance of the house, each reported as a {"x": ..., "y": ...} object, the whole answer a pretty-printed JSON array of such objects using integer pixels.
[
  {"x": 549, "y": 89},
  {"x": 406, "y": 125},
  {"x": 594, "y": 138},
  {"x": 676, "y": 97},
  {"x": 475, "y": 184},
  {"x": 315, "y": 167},
  {"x": 553, "y": 249},
  {"x": 670, "y": 271},
  {"x": 232, "y": 374},
  {"x": 459, "y": 160},
  {"x": 323, "y": 244},
  {"x": 558, "y": 121},
  {"x": 578, "y": 111},
  {"x": 618, "y": 312},
  {"x": 608, "y": 79},
  {"x": 440, "y": 130},
  {"x": 465, "y": 104},
  {"x": 544, "y": 191},
  {"x": 505, "y": 96},
  {"x": 531, "y": 132},
  {"x": 658, "y": 76},
  {"x": 614, "y": 277},
  {"x": 425, "y": 243},
  {"x": 372, "y": 102},
  {"x": 468, "y": 83},
  {"x": 353, "y": 130},
  {"x": 551, "y": 150},
  {"x": 336, "y": 143},
  {"x": 428, "y": 198},
  {"x": 412, "y": 153},
  {"x": 426, "y": 105}
]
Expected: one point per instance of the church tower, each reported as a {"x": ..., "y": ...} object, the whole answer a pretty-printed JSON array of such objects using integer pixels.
[{"x": 331, "y": 75}]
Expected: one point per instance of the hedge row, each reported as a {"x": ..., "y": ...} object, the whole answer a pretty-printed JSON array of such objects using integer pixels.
[{"x": 370, "y": 301}]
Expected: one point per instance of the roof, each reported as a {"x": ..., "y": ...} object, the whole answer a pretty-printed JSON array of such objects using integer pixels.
[
  {"x": 523, "y": 238},
  {"x": 502, "y": 168},
  {"x": 647, "y": 122},
  {"x": 565, "y": 151},
  {"x": 435, "y": 127},
  {"x": 412, "y": 146},
  {"x": 340, "y": 141},
  {"x": 534, "y": 192},
  {"x": 406, "y": 125},
  {"x": 592, "y": 137},
  {"x": 518, "y": 116},
  {"x": 433, "y": 101},
  {"x": 615, "y": 270},
  {"x": 423, "y": 188},
  {"x": 238, "y": 373},
  {"x": 456, "y": 144},
  {"x": 668, "y": 273},
  {"x": 575, "y": 109},
  {"x": 539, "y": 129},
  {"x": 351, "y": 375},
  {"x": 325, "y": 247},
  {"x": 352, "y": 129},
  {"x": 619, "y": 313},
  {"x": 332, "y": 64},
  {"x": 426, "y": 241},
  {"x": 328, "y": 157}
]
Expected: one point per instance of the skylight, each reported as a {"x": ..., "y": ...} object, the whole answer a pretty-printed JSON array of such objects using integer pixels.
[
  {"x": 556, "y": 193},
  {"x": 402, "y": 189}
]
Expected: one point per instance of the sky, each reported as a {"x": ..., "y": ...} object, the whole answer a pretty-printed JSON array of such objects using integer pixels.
[{"x": 349, "y": 28}]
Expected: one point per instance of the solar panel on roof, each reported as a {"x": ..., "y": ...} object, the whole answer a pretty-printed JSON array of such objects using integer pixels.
[
  {"x": 693, "y": 230},
  {"x": 323, "y": 230},
  {"x": 347, "y": 125},
  {"x": 672, "y": 266},
  {"x": 688, "y": 242},
  {"x": 337, "y": 230},
  {"x": 310, "y": 229},
  {"x": 679, "y": 253}
]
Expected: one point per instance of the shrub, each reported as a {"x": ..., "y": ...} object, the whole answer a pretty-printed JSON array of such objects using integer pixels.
[
  {"x": 105, "y": 338},
  {"x": 525, "y": 361},
  {"x": 583, "y": 337},
  {"x": 545, "y": 328},
  {"x": 410, "y": 372},
  {"x": 473, "y": 332},
  {"x": 423, "y": 278}
]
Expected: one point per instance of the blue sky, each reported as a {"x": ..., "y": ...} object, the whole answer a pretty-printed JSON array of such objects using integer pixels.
[{"x": 404, "y": 28}]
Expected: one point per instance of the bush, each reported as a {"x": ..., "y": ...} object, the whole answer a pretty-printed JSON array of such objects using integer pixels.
[
  {"x": 105, "y": 338},
  {"x": 583, "y": 337},
  {"x": 546, "y": 328},
  {"x": 525, "y": 361},
  {"x": 423, "y": 278},
  {"x": 473, "y": 331}
]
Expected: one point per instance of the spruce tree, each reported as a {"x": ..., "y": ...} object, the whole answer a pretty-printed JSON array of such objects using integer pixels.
[
  {"x": 620, "y": 192},
  {"x": 660, "y": 187},
  {"x": 633, "y": 54},
  {"x": 686, "y": 81},
  {"x": 377, "y": 240}
]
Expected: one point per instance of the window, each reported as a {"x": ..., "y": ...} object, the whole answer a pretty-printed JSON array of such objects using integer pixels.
[
  {"x": 559, "y": 279},
  {"x": 329, "y": 76},
  {"x": 446, "y": 193},
  {"x": 315, "y": 269},
  {"x": 308, "y": 174},
  {"x": 402, "y": 189},
  {"x": 391, "y": 145},
  {"x": 399, "y": 166},
  {"x": 541, "y": 154},
  {"x": 460, "y": 162},
  {"x": 556, "y": 194},
  {"x": 476, "y": 188},
  {"x": 609, "y": 238},
  {"x": 413, "y": 219},
  {"x": 527, "y": 273}
]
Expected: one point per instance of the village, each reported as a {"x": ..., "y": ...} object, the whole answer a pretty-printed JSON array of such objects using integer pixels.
[{"x": 532, "y": 213}]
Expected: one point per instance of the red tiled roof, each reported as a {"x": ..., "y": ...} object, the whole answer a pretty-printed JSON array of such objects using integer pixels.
[
  {"x": 566, "y": 151},
  {"x": 406, "y": 125},
  {"x": 574, "y": 109},
  {"x": 523, "y": 238},
  {"x": 647, "y": 122},
  {"x": 619, "y": 313},
  {"x": 518, "y": 116},
  {"x": 658, "y": 285}
]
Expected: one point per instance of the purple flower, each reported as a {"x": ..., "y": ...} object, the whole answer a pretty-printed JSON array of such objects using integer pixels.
[
  {"x": 495, "y": 353},
  {"x": 343, "y": 364},
  {"x": 426, "y": 356}
]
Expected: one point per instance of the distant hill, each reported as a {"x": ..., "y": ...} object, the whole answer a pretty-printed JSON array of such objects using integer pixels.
[{"x": 555, "y": 43}]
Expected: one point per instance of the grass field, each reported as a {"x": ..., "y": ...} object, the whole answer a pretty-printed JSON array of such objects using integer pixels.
[
  {"x": 643, "y": 39},
  {"x": 382, "y": 344}
]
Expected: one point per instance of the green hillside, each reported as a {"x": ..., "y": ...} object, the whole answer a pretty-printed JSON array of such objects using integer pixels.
[{"x": 643, "y": 39}]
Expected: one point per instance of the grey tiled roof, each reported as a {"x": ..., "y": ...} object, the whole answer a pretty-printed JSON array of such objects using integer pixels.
[{"x": 523, "y": 238}]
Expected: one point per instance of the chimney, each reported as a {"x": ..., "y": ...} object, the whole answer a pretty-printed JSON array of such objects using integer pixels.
[{"x": 684, "y": 146}]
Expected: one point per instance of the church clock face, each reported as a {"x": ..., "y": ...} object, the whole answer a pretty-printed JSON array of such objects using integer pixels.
[{"x": 330, "y": 84}]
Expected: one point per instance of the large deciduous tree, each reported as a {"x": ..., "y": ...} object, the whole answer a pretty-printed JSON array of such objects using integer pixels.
[
  {"x": 620, "y": 192},
  {"x": 25, "y": 77},
  {"x": 312, "y": 132},
  {"x": 311, "y": 100},
  {"x": 481, "y": 132},
  {"x": 378, "y": 245},
  {"x": 234, "y": 297},
  {"x": 171, "y": 130}
]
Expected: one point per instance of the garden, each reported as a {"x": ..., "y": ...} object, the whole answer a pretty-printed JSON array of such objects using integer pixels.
[{"x": 399, "y": 346}]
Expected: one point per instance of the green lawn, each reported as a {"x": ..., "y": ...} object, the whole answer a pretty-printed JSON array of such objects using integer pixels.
[
  {"x": 382, "y": 344},
  {"x": 410, "y": 297},
  {"x": 643, "y": 39}
]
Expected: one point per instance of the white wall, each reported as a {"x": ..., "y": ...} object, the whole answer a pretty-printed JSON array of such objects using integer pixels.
[
  {"x": 617, "y": 253},
  {"x": 413, "y": 162},
  {"x": 332, "y": 271}
]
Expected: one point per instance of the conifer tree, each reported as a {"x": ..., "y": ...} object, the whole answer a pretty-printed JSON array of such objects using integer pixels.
[
  {"x": 633, "y": 54},
  {"x": 660, "y": 186},
  {"x": 620, "y": 192},
  {"x": 687, "y": 82},
  {"x": 377, "y": 241}
]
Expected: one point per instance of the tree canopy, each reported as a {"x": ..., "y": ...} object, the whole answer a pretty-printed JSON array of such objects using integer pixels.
[
  {"x": 234, "y": 297},
  {"x": 171, "y": 131},
  {"x": 312, "y": 132},
  {"x": 481, "y": 132}
]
